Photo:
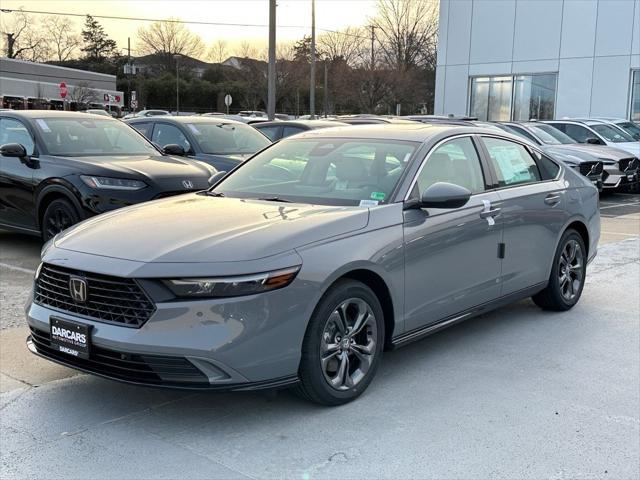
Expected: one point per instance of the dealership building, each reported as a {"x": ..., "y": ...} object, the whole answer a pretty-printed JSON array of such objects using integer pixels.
[
  {"x": 539, "y": 59},
  {"x": 29, "y": 85}
]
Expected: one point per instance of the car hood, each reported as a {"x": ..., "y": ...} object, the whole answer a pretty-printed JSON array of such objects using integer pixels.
[
  {"x": 133, "y": 166},
  {"x": 569, "y": 154},
  {"x": 201, "y": 228},
  {"x": 603, "y": 152}
]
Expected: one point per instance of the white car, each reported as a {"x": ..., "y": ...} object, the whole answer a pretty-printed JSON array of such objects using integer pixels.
[
  {"x": 597, "y": 132},
  {"x": 628, "y": 126}
]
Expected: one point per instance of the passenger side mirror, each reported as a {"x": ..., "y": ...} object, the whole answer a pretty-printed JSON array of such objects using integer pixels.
[
  {"x": 174, "y": 149},
  {"x": 13, "y": 150},
  {"x": 594, "y": 141},
  {"x": 216, "y": 177},
  {"x": 445, "y": 195}
]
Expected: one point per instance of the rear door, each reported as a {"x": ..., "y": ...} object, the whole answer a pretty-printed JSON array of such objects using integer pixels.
[
  {"x": 533, "y": 214},
  {"x": 451, "y": 255},
  {"x": 17, "y": 203}
]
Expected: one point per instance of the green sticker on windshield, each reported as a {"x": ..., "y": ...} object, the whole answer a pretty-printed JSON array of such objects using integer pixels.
[{"x": 377, "y": 196}]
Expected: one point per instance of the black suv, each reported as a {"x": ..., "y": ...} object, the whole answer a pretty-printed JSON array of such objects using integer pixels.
[{"x": 57, "y": 168}]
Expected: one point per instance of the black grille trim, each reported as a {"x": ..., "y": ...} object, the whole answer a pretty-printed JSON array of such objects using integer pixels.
[
  {"x": 591, "y": 168},
  {"x": 136, "y": 368},
  {"x": 114, "y": 300},
  {"x": 627, "y": 165}
]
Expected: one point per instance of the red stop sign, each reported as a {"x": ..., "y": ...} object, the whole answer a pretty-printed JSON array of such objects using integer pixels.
[{"x": 63, "y": 90}]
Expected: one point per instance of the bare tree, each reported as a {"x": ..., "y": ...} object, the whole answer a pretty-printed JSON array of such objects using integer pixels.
[
  {"x": 62, "y": 40},
  {"x": 219, "y": 52},
  {"x": 169, "y": 38},
  {"x": 407, "y": 33},
  {"x": 22, "y": 38},
  {"x": 83, "y": 95},
  {"x": 347, "y": 44}
]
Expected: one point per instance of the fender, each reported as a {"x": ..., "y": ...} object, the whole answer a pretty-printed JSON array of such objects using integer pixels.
[
  {"x": 573, "y": 219},
  {"x": 59, "y": 186}
]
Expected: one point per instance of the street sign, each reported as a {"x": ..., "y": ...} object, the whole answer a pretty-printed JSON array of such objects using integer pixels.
[
  {"x": 63, "y": 90},
  {"x": 134, "y": 104},
  {"x": 134, "y": 95},
  {"x": 228, "y": 100}
]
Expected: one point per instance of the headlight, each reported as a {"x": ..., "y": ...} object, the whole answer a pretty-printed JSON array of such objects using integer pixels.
[
  {"x": 107, "y": 183},
  {"x": 232, "y": 286}
]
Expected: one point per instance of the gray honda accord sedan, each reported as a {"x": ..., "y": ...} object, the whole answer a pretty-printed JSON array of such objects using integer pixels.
[{"x": 307, "y": 261}]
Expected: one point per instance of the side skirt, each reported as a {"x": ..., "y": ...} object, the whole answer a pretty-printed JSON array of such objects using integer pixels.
[
  {"x": 422, "y": 332},
  {"x": 14, "y": 228}
]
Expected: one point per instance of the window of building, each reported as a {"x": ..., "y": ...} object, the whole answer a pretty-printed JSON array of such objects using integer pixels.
[
  {"x": 518, "y": 97},
  {"x": 635, "y": 96}
]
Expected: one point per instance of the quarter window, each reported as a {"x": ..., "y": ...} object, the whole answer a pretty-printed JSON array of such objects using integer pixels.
[
  {"x": 13, "y": 131},
  {"x": 455, "y": 161},
  {"x": 512, "y": 162}
]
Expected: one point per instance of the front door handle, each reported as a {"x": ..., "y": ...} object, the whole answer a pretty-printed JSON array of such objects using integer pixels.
[
  {"x": 552, "y": 199},
  {"x": 493, "y": 212}
]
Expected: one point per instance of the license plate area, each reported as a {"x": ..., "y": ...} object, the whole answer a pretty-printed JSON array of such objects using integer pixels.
[{"x": 70, "y": 338}]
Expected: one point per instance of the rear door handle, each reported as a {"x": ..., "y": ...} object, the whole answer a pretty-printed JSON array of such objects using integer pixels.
[
  {"x": 494, "y": 212},
  {"x": 552, "y": 199}
]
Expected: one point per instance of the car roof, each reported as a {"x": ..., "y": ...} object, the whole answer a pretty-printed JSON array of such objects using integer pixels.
[
  {"x": 185, "y": 119},
  {"x": 411, "y": 131},
  {"x": 306, "y": 123},
  {"x": 33, "y": 114}
]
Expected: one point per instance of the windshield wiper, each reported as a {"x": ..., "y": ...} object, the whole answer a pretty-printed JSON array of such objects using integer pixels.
[
  {"x": 214, "y": 194},
  {"x": 275, "y": 199}
]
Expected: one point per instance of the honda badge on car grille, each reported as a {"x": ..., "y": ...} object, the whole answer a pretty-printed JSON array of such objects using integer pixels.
[{"x": 78, "y": 289}]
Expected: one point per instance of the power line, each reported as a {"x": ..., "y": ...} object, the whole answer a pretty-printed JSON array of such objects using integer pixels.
[{"x": 171, "y": 20}]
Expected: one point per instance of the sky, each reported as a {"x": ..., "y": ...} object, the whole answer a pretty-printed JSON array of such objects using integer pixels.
[{"x": 330, "y": 14}]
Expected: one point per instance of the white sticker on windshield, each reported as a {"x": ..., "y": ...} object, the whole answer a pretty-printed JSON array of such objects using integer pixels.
[
  {"x": 193, "y": 128},
  {"x": 406, "y": 157},
  {"x": 43, "y": 125},
  {"x": 368, "y": 203}
]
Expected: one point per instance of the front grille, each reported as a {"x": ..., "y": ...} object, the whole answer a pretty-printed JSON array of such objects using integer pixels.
[
  {"x": 628, "y": 164},
  {"x": 108, "y": 299},
  {"x": 147, "y": 369},
  {"x": 591, "y": 168}
]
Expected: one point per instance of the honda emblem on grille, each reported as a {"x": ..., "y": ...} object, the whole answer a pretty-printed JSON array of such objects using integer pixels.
[
  {"x": 188, "y": 184},
  {"x": 78, "y": 289}
]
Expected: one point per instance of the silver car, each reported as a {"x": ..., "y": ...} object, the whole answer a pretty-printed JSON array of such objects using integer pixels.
[{"x": 307, "y": 261}]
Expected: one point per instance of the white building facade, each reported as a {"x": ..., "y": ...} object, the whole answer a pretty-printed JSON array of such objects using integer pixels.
[{"x": 505, "y": 60}]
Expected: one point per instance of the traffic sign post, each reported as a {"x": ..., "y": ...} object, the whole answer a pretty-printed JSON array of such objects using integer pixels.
[
  {"x": 63, "y": 94},
  {"x": 227, "y": 101}
]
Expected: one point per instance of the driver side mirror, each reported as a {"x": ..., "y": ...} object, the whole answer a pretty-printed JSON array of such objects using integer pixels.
[
  {"x": 174, "y": 149},
  {"x": 594, "y": 141},
  {"x": 445, "y": 195},
  {"x": 13, "y": 150}
]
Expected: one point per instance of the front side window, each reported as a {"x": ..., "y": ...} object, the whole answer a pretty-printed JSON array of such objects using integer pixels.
[
  {"x": 325, "y": 171},
  {"x": 631, "y": 128},
  {"x": 227, "y": 138},
  {"x": 550, "y": 135},
  {"x": 165, "y": 134},
  {"x": 579, "y": 133},
  {"x": 512, "y": 162},
  {"x": 13, "y": 131},
  {"x": 143, "y": 128},
  {"x": 271, "y": 132},
  {"x": 77, "y": 137},
  {"x": 612, "y": 134},
  {"x": 455, "y": 161},
  {"x": 290, "y": 130}
]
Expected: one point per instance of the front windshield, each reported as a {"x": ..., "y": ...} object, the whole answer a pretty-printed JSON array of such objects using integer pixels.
[
  {"x": 227, "y": 138},
  {"x": 611, "y": 134},
  {"x": 550, "y": 135},
  {"x": 631, "y": 128},
  {"x": 325, "y": 171},
  {"x": 78, "y": 137}
]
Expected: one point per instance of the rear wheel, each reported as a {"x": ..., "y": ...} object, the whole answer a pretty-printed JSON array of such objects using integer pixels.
[
  {"x": 343, "y": 345},
  {"x": 567, "y": 275},
  {"x": 58, "y": 216}
]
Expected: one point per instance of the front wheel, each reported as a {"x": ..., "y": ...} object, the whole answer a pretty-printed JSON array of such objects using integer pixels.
[
  {"x": 58, "y": 216},
  {"x": 343, "y": 345},
  {"x": 567, "y": 275}
]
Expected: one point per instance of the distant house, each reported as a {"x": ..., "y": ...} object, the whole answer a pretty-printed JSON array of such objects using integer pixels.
[
  {"x": 157, "y": 63},
  {"x": 243, "y": 63}
]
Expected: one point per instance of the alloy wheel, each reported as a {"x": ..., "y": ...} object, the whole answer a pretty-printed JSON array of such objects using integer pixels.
[
  {"x": 348, "y": 344},
  {"x": 570, "y": 270},
  {"x": 58, "y": 221}
]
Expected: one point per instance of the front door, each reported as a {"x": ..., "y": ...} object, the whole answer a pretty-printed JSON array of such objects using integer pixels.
[
  {"x": 17, "y": 207},
  {"x": 451, "y": 255}
]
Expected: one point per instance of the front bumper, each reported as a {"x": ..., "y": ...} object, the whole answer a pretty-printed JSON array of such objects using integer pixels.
[{"x": 220, "y": 344}]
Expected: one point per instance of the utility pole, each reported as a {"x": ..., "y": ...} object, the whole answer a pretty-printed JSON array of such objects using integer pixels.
[
  {"x": 177, "y": 57},
  {"x": 312, "y": 86},
  {"x": 271, "y": 73},
  {"x": 128, "y": 106},
  {"x": 325, "y": 97},
  {"x": 373, "y": 53}
]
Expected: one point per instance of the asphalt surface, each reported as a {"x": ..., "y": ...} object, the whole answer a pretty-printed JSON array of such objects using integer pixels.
[{"x": 516, "y": 393}]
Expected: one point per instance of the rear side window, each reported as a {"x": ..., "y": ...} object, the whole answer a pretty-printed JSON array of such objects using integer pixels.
[
  {"x": 512, "y": 162},
  {"x": 143, "y": 128},
  {"x": 270, "y": 132},
  {"x": 13, "y": 131},
  {"x": 289, "y": 130}
]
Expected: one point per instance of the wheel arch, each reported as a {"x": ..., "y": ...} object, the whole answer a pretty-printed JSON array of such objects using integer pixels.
[
  {"x": 582, "y": 229},
  {"x": 54, "y": 192}
]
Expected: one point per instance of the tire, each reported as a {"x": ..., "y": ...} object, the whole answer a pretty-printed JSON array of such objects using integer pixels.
[
  {"x": 58, "y": 216},
  {"x": 321, "y": 380},
  {"x": 567, "y": 274}
]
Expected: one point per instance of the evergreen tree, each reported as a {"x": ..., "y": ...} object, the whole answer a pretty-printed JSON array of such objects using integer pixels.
[{"x": 97, "y": 45}]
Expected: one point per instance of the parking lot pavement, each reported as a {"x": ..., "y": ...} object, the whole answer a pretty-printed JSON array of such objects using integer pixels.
[{"x": 517, "y": 393}]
